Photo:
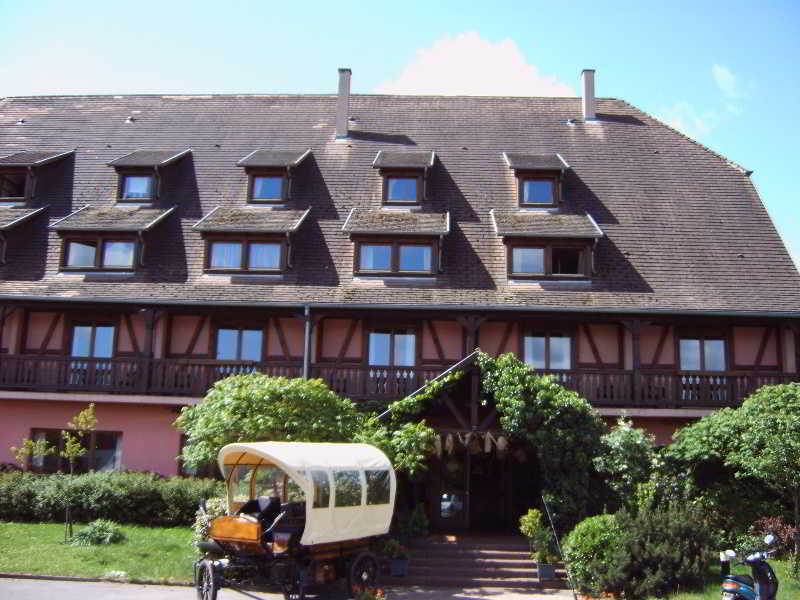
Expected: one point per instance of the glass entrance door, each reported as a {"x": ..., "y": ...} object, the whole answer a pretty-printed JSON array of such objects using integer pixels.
[{"x": 451, "y": 495}]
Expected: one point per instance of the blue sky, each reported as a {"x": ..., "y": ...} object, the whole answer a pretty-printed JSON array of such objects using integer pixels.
[{"x": 724, "y": 72}]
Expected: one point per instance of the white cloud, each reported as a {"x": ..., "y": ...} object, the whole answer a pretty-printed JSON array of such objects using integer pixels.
[
  {"x": 725, "y": 80},
  {"x": 685, "y": 118},
  {"x": 469, "y": 65}
]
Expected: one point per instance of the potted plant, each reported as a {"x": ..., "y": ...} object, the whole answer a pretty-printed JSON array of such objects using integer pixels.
[
  {"x": 396, "y": 555},
  {"x": 542, "y": 543}
]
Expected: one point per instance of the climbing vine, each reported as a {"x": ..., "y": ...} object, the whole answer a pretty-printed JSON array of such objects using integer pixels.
[{"x": 411, "y": 406}]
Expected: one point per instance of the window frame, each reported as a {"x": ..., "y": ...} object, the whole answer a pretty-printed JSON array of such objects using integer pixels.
[
  {"x": 253, "y": 173},
  {"x": 94, "y": 324},
  {"x": 101, "y": 239},
  {"x": 27, "y": 185},
  {"x": 553, "y": 176},
  {"x": 392, "y": 331},
  {"x": 63, "y": 463},
  {"x": 703, "y": 337},
  {"x": 245, "y": 241},
  {"x": 584, "y": 258},
  {"x": 547, "y": 334},
  {"x": 123, "y": 174},
  {"x": 394, "y": 267},
  {"x": 239, "y": 327},
  {"x": 387, "y": 174}
]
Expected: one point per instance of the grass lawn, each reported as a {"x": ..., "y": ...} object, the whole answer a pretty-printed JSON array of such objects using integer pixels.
[
  {"x": 788, "y": 589},
  {"x": 157, "y": 553}
]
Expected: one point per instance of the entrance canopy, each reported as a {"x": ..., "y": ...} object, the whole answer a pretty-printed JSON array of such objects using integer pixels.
[{"x": 349, "y": 488}]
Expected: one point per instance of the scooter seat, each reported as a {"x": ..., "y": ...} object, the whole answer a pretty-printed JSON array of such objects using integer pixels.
[{"x": 743, "y": 579}]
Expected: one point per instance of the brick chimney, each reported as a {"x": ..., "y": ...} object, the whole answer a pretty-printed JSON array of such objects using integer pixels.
[{"x": 343, "y": 105}]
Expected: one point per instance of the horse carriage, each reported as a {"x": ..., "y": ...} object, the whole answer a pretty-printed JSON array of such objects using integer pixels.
[{"x": 299, "y": 515}]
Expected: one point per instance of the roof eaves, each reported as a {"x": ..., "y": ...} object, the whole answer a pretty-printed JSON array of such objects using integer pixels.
[
  {"x": 494, "y": 220},
  {"x": 158, "y": 219},
  {"x": 600, "y": 232},
  {"x": 22, "y": 219},
  {"x": 73, "y": 213},
  {"x": 213, "y": 210},
  {"x": 299, "y": 221},
  {"x": 347, "y": 220},
  {"x": 174, "y": 158}
]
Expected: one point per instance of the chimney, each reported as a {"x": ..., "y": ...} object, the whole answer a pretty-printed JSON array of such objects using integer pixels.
[
  {"x": 343, "y": 104},
  {"x": 588, "y": 95}
]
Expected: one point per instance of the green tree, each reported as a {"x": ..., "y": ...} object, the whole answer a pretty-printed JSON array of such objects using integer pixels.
[
  {"x": 82, "y": 424},
  {"x": 29, "y": 449},
  {"x": 627, "y": 459},
  {"x": 768, "y": 445}
]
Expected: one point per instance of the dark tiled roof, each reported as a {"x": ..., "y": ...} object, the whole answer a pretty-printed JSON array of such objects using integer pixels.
[
  {"x": 255, "y": 219},
  {"x": 676, "y": 221},
  {"x": 396, "y": 221},
  {"x": 149, "y": 158},
  {"x": 274, "y": 158},
  {"x": 542, "y": 223},
  {"x": 387, "y": 159},
  {"x": 10, "y": 216},
  {"x": 112, "y": 218},
  {"x": 535, "y": 162},
  {"x": 32, "y": 159}
]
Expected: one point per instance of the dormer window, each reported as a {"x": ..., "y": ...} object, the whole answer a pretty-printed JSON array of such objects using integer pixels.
[
  {"x": 269, "y": 174},
  {"x": 245, "y": 254},
  {"x": 538, "y": 177},
  {"x": 12, "y": 185},
  {"x": 101, "y": 252},
  {"x": 140, "y": 173},
  {"x": 404, "y": 176},
  {"x": 18, "y": 173}
]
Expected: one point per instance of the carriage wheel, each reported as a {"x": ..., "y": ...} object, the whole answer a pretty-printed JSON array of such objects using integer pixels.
[
  {"x": 206, "y": 582},
  {"x": 363, "y": 573}
]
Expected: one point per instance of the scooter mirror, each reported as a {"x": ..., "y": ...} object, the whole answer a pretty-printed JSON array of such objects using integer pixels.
[
  {"x": 769, "y": 540},
  {"x": 730, "y": 553}
]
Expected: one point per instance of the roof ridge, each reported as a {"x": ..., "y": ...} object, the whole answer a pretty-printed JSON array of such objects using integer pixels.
[{"x": 728, "y": 161}]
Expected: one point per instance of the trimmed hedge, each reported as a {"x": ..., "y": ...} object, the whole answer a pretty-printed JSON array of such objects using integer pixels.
[{"x": 135, "y": 498}]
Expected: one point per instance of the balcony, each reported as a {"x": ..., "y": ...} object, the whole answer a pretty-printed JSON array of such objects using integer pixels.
[{"x": 192, "y": 377}]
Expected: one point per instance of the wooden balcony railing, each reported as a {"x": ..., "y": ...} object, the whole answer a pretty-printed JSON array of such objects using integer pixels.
[{"x": 193, "y": 377}]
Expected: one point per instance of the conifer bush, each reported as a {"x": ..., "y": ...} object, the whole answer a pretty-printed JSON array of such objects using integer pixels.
[{"x": 589, "y": 546}]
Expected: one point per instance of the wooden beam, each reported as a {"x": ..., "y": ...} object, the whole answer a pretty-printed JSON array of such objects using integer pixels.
[
  {"x": 662, "y": 340},
  {"x": 435, "y": 337},
  {"x": 762, "y": 347},
  {"x": 201, "y": 323},
  {"x": 276, "y": 322},
  {"x": 506, "y": 336},
  {"x": 456, "y": 413},
  {"x": 488, "y": 421},
  {"x": 348, "y": 338},
  {"x": 50, "y": 332},
  {"x": 131, "y": 333},
  {"x": 590, "y": 338}
]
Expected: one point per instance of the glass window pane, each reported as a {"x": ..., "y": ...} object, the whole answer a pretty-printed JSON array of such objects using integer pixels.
[
  {"x": 12, "y": 185},
  {"x": 714, "y": 351},
  {"x": 137, "y": 186},
  {"x": 379, "y": 348},
  {"x": 375, "y": 258},
  {"x": 378, "y": 487},
  {"x": 690, "y": 355},
  {"x": 106, "y": 451},
  {"x": 251, "y": 344},
  {"x": 265, "y": 256},
  {"x": 527, "y": 260},
  {"x": 269, "y": 481},
  {"x": 81, "y": 340},
  {"x": 534, "y": 351},
  {"x": 240, "y": 483},
  {"x": 348, "y": 488},
  {"x": 118, "y": 254},
  {"x": 103, "y": 341},
  {"x": 404, "y": 349},
  {"x": 226, "y": 255},
  {"x": 81, "y": 254},
  {"x": 415, "y": 258},
  {"x": 559, "y": 353},
  {"x": 322, "y": 489},
  {"x": 401, "y": 189},
  {"x": 268, "y": 188},
  {"x": 537, "y": 191},
  {"x": 566, "y": 261},
  {"x": 227, "y": 342}
]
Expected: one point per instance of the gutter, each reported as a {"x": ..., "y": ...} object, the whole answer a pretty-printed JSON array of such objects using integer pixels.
[{"x": 409, "y": 307}]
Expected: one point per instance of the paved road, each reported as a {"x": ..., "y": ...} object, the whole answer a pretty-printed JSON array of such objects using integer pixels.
[{"x": 34, "y": 589}]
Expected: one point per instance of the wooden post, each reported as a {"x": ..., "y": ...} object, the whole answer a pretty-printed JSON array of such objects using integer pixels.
[{"x": 635, "y": 327}]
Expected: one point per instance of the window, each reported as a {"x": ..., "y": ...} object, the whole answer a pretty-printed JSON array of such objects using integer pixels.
[
  {"x": 379, "y": 486},
  {"x": 402, "y": 189},
  {"x": 546, "y": 352},
  {"x": 322, "y": 489},
  {"x": 268, "y": 187},
  {"x": 137, "y": 188},
  {"x": 13, "y": 185},
  {"x": 538, "y": 191},
  {"x": 347, "y": 488},
  {"x": 702, "y": 354},
  {"x": 104, "y": 451},
  {"x": 91, "y": 342},
  {"x": 394, "y": 258},
  {"x": 99, "y": 253},
  {"x": 245, "y": 255},
  {"x": 548, "y": 260},
  {"x": 392, "y": 348},
  {"x": 240, "y": 344}
]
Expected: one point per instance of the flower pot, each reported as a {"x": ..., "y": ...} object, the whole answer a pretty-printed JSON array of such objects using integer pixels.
[{"x": 398, "y": 567}]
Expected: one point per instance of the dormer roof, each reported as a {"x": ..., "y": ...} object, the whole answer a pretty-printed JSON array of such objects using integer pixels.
[
  {"x": 33, "y": 159},
  {"x": 114, "y": 218},
  {"x": 251, "y": 219},
  {"x": 277, "y": 159},
  {"x": 396, "y": 222},
  {"x": 11, "y": 217},
  {"x": 535, "y": 162},
  {"x": 390, "y": 159},
  {"x": 537, "y": 223},
  {"x": 149, "y": 158}
]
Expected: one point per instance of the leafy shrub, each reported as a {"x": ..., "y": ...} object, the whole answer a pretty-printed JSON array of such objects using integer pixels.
[
  {"x": 658, "y": 552},
  {"x": 783, "y": 532},
  {"x": 215, "y": 507},
  {"x": 627, "y": 458},
  {"x": 415, "y": 525},
  {"x": 589, "y": 545},
  {"x": 137, "y": 498},
  {"x": 540, "y": 536},
  {"x": 100, "y": 531}
]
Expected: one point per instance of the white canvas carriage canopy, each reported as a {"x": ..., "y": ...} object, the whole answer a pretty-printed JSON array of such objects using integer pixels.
[{"x": 349, "y": 489}]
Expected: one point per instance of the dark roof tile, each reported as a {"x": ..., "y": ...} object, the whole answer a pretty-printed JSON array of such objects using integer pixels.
[
  {"x": 32, "y": 159},
  {"x": 11, "y": 216},
  {"x": 389, "y": 159},
  {"x": 149, "y": 158},
  {"x": 535, "y": 162}
]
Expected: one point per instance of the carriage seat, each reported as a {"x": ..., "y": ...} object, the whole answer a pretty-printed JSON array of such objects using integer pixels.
[{"x": 263, "y": 508}]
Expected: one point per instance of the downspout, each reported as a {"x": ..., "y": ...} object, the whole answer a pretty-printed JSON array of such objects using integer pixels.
[
  {"x": 2, "y": 247},
  {"x": 307, "y": 344},
  {"x": 140, "y": 258}
]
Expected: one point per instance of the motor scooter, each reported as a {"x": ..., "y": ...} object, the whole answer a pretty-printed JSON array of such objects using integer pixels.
[{"x": 762, "y": 585}]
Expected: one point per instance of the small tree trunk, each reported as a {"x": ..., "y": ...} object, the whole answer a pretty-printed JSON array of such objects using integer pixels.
[{"x": 797, "y": 523}]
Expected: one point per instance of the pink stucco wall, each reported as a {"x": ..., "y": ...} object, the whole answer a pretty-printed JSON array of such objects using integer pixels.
[
  {"x": 606, "y": 339},
  {"x": 648, "y": 342},
  {"x": 11, "y": 331},
  {"x": 746, "y": 343},
  {"x": 293, "y": 333},
  {"x": 333, "y": 333},
  {"x": 449, "y": 336},
  {"x": 38, "y": 325},
  {"x": 124, "y": 343},
  {"x": 491, "y": 336},
  {"x": 183, "y": 328},
  {"x": 149, "y": 442}
]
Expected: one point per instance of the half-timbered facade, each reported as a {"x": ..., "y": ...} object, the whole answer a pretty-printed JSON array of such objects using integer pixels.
[{"x": 151, "y": 245}]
